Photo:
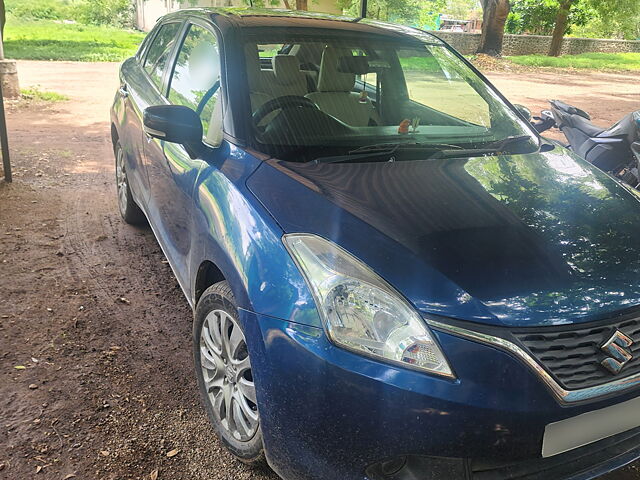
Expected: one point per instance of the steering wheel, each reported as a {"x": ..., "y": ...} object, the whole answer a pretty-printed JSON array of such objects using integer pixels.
[{"x": 281, "y": 103}]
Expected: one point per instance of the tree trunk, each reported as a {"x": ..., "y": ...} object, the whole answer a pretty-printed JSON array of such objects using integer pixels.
[
  {"x": 560, "y": 27},
  {"x": 3, "y": 20},
  {"x": 287, "y": 5},
  {"x": 301, "y": 5},
  {"x": 494, "y": 16}
]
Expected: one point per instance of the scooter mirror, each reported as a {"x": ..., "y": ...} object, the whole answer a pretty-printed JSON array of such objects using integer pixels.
[{"x": 524, "y": 111}]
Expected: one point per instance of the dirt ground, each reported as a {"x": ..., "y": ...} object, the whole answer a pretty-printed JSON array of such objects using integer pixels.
[
  {"x": 96, "y": 375},
  {"x": 605, "y": 96}
]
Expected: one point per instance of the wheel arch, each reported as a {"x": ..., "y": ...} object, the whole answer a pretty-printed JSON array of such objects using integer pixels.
[
  {"x": 208, "y": 274},
  {"x": 115, "y": 137},
  {"x": 212, "y": 269}
]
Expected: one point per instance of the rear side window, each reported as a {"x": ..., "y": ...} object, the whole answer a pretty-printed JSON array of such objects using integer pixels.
[
  {"x": 195, "y": 81},
  {"x": 159, "y": 51}
]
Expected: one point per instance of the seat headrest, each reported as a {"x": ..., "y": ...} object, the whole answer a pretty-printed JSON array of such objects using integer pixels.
[
  {"x": 286, "y": 69},
  {"x": 355, "y": 65},
  {"x": 331, "y": 79}
]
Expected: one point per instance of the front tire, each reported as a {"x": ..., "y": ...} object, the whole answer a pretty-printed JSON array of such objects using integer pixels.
[
  {"x": 225, "y": 379},
  {"x": 129, "y": 209}
]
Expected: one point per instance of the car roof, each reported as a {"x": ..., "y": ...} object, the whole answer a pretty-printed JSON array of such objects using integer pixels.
[{"x": 245, "y": 17}]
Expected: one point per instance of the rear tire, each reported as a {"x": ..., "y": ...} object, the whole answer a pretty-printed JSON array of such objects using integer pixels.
[
  {"x": 129, "y": 209},
  {"x": 224, "y": 375}
]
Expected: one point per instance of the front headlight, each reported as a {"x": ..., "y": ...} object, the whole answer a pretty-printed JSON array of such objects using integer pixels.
[{"x": 360, "y": 310}]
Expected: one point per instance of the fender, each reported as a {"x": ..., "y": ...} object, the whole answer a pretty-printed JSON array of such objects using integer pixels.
[{"x": 237, "y": 234}]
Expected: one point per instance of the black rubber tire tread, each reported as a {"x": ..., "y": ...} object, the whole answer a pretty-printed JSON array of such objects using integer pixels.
[
  {"x": 219, "y": 295},
  {"x": 133, "y": 214}
]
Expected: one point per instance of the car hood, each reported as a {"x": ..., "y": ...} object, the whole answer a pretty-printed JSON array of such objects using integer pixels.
[{"x": 520, "y": 240}]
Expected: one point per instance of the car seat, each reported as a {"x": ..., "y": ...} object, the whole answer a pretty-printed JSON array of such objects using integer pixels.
[{"x": 335, "y": 94}]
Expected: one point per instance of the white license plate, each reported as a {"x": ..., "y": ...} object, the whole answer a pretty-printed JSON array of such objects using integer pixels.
[{"x": 590, "y": 427}]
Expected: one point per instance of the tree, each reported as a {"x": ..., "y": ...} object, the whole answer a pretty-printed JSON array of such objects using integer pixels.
[
  {"x": 562, "y": 20},
  {"x": 430, "y": 13},
  {"x": 460, "y": 9},
  {"x": 400, "y": 11},
  {"x": 616, "y": 18},
  {"x": 539, "y": 17},
  {"x": 301, "y": 5},
  {"x": 494, "y": 17}
]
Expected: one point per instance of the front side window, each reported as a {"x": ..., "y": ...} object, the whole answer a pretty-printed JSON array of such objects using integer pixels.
[
  {"x": 341, "y": 92},
  {"x": 195, "y": 81},
  {"x": 159, "y": 51}
]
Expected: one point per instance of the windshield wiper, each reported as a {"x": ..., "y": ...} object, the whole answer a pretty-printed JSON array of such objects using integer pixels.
[
  {"x": 373, "y": 154},
  {"x": 507, "y": 142},
  {"x": 493, "y": 148},
  {"x": 395, "y": 146},
  {"x": 383, "y": 152}
]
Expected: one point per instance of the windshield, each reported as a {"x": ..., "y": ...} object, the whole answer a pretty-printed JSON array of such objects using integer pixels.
[{"x": 328, "y": 95}]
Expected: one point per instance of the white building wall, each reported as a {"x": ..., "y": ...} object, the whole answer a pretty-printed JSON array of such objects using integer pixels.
[{"x": 148, "y": 12}]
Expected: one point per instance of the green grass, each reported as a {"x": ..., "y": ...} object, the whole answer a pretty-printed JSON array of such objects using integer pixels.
[
  {"x": 34, "y": 93},
  {"x": 594, "y": 61},
  {"x": 48, "y": 40}
]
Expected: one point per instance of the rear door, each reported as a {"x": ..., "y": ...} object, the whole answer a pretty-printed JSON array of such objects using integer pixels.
[
  {"x": 146, "y": 89},
  {"x": 129, "y": 119},
  {"x": 193, "y": 80},
  {"x": 135, "y": 92}
]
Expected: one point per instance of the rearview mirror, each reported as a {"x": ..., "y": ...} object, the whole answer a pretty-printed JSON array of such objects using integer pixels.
[
  {"x": 175, "y": 124},
  {"x": 524, "y": 111}
]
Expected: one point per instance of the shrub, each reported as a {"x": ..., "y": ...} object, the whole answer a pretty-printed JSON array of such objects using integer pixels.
[
  {"x": 40, "y": 9},
  {"x": 34, "y": 93},
  {"x": 118, "y": 13}
]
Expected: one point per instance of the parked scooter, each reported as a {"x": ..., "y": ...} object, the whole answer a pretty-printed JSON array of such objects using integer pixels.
[{"x": 615, "y": 150}]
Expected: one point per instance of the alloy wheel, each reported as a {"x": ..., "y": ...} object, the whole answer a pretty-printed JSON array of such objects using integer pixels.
[
  {"x": 121, "y": 181},
  {"x": 228, "y": 379}
]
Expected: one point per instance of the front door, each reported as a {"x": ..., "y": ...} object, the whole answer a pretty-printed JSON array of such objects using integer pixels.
[{"x": 192, "y": 81}]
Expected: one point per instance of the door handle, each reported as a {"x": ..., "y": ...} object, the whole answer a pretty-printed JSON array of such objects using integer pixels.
[{"x": 123, "y": 91}]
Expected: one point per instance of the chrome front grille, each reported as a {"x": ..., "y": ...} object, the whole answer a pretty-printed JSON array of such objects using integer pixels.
[{"x": 573, "y": 355}]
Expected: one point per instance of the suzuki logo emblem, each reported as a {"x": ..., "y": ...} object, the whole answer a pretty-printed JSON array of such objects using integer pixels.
[{"x": 617, "y": 351}]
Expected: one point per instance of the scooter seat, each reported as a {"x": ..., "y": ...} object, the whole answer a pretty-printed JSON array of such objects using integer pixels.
[
  {"x": 605, "y": 148},
  {"x": 570, "y": 109},
  {"x": 586, "y": 126},
  {"x": 625, "y": 128}
]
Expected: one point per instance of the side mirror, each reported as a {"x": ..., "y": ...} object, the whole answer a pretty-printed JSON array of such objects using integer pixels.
[
  {"x": 524, "y": 111},
  {"x": 175, "y": 124}
]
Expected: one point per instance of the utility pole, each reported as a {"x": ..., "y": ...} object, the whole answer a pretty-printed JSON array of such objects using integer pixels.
[
  {"x": 4, "y": 140},
  {"x": 6, "y": 163}
]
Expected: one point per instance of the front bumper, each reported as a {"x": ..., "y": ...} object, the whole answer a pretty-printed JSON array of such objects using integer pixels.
[{"x": 327, "y": 413}]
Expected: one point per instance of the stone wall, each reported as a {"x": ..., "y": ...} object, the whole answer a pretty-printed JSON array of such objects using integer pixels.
[{"x": 467, "y": 43}]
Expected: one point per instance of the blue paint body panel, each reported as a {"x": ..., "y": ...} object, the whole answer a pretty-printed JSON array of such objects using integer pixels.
[
  {"x": 332, "y": 413},
  {"x": 524, "y": 240}
]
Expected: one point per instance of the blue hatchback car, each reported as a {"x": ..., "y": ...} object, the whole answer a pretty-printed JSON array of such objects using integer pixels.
[{"x": 392, "y": 275}]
